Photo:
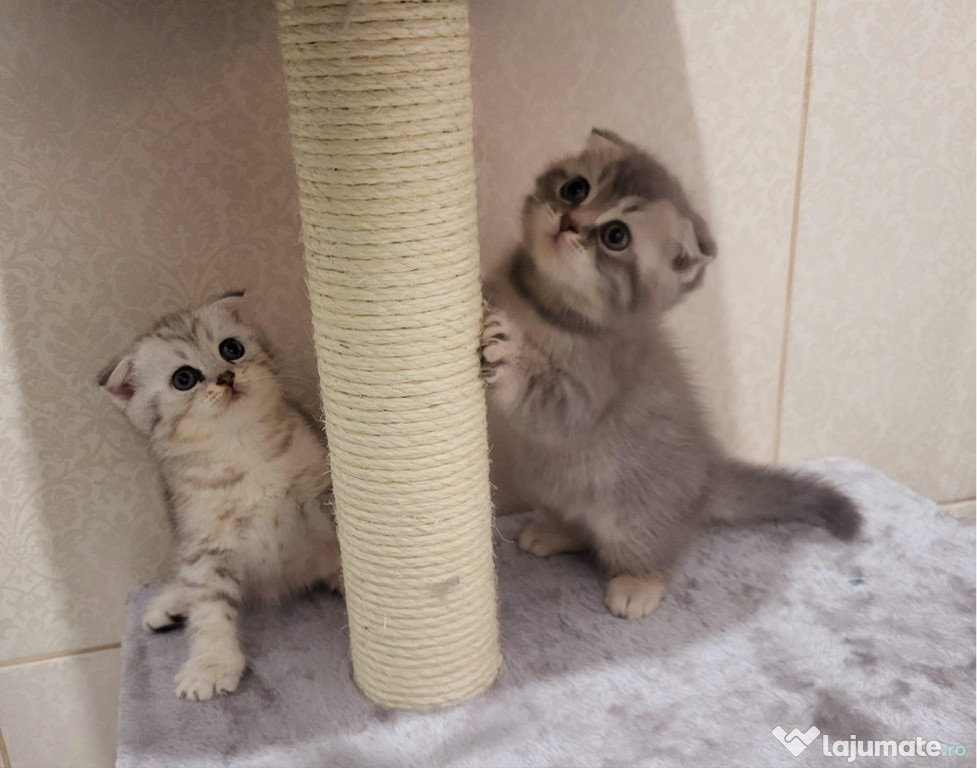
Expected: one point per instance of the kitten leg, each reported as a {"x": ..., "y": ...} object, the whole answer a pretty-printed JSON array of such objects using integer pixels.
[
  {"x": 320, "y": 561},
  {"x": 639, "y": 560},
  {"x": 216, "y": 662},
  {"x": 546, "y": 535},
  {"x": 542, "y": 398},
  {"x": 326, "y": 566},
  {"x": 168, "y": 610},
  {"x": 501, "y": 342}
]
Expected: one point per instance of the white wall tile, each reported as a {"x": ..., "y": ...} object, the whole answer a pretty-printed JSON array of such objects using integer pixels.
[
  {"x": 61, "y": 712},
  {"x": 715, "y": 91},
  {"x": 965, "y": 510},
  {"x": 881, "y": 353}
]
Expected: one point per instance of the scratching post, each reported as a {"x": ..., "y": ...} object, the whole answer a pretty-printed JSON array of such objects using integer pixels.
[{"x": 380, "y": 108}]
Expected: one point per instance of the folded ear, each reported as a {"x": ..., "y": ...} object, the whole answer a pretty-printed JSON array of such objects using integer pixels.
[
  {"x": 230, "y": 296},
  {"x": 703, "y": 235},
  {"x": 691, "y": 255},
  {"x": 117, "y": 380},
  {"x": 230, "y": 301},
  {"x": 601, "y": 140}
]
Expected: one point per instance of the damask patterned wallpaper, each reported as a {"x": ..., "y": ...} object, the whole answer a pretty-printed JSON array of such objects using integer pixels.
[{"x": 144, "y": 165}]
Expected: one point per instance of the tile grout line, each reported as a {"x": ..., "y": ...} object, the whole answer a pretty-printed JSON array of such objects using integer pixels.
[
  {"x": 58, "y": 655},
  {"x": 794, "y": 226},
  {"x": 4, "y": 755},
  {"x": 955, "y": 502}
]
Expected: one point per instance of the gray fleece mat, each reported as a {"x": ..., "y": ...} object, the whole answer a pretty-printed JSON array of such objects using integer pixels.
[{"x": 765, "y": 626}]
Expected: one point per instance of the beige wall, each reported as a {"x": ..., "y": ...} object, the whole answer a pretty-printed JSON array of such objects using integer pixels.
[
  {"x": 839, "y": 317},
  {"x": 144, "y": 164}
]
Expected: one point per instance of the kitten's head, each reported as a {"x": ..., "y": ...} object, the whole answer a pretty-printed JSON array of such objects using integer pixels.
[
  {"x": 194, "y": 372},
  {"x": 609, "y": 230}
]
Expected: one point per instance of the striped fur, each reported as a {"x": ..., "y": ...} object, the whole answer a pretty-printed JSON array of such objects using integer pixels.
[{"x": 246, "y": 479}]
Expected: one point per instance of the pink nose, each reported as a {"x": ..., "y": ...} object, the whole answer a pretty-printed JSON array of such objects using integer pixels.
[{"x": 567, "y": 224}]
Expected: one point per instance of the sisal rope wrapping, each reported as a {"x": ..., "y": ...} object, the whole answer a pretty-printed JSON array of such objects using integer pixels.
[{"x": 381, "y": 119}]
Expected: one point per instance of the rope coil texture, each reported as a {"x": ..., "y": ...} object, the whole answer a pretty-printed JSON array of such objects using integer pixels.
[{"x": 380, "y": 110}]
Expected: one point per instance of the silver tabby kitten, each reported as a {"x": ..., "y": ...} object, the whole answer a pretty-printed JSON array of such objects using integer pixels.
[
  {"x": 246, "y": 478},
  {"x": 593, "y": 421}
]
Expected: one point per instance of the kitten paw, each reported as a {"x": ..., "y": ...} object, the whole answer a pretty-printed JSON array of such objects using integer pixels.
[
  {"x": 544, "y": 537},
  {"x": 632, "y": 598},
  {"x": 204, "y": 677},
  {"x": 336, "y": 583},
  {"x": 328, "y": 566},
  {"x": 165, "y": 613},
  {"x": 160, "y": 621},
  {"x": 500, "y": 344}
]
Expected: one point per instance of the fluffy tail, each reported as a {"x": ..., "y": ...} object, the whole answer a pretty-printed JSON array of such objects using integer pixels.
[{"x": 741, "y": 493}]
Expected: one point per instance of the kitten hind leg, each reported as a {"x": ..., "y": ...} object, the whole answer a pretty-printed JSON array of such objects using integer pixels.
[
  {"x": 548, "y": 535},
  {"x": 167, "y": 610},
  {"x": 327, "y": 567}
]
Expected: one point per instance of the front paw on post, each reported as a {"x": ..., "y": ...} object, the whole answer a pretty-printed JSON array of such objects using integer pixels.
[{"x": 500, "y": 343}]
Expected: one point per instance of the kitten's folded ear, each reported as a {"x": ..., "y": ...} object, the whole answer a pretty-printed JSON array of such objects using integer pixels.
[
  {"x": 689, "y": 263},
  {"x": 117, "y": 380},
  {"x": 229, "y": 301},
  {"x": 602, "y": 140},
  {"x": 703, "y": 235}
]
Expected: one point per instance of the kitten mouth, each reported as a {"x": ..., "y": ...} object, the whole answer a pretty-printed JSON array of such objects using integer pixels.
[
  {"x": 567, "y": 224},
  {"x": 231, "y": 394}
]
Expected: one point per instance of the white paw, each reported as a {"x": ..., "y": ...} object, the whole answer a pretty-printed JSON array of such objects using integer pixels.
[
  {"x": 203, "y": 677},
  {"x": 500, "y": 345},
  {"x": 543, "y": 538},
  {"x": 632, "y": 598},
  {"x": 162, "y": 615},
  {"x": 158, "y": 620}
]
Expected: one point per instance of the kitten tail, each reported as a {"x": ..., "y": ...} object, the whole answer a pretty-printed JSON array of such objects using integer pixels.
[{"x": 740, "y": 493}]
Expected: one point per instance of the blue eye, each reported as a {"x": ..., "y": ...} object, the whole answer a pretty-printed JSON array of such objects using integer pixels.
[
  {"x": 231, "y": 349},
  {"x": 186, "y": 378}
]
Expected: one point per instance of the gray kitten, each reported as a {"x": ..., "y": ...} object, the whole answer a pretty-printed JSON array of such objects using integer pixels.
[
  {"x": 593, "y": 420},
  {"x": 246, "y": 478}
]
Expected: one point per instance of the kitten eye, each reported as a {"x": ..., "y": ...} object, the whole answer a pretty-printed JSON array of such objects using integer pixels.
[
  {"x": 186, "y": 378},
  {"x": 576, "y": 190},
  {"x": 231, "y": 349},
  {"x": 615, "y": 235}
]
